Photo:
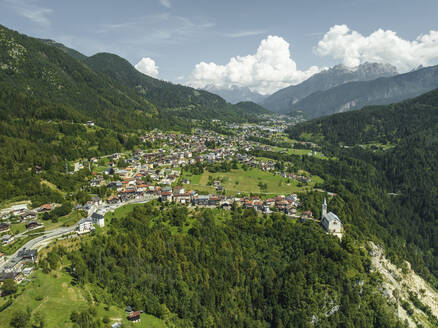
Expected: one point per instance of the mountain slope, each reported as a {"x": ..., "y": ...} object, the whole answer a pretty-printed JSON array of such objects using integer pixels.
[
  {"x": 36, "y": 69},
  {"x": 282, "y": 100},
  {"x": 69, "y": 51},
  {"x": 398, "y": 142},
  {"x": 354, "y": 95},
  {"x": 176, "y": 99}
]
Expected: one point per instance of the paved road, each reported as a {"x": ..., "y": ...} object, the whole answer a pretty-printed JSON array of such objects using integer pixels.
[{"x": 56, "y": 233}]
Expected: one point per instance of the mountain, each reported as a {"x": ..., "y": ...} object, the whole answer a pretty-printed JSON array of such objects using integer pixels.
[
  {"x": 235, "y": 94},
  {"x": 252, "y": 108},
  {"x": 354, "y": 95},
  {"x": 175, "y": 99},
  {"x": 69, "y": 51},
  {"x": 34, "y": 69},
  {"x": 283, "y": 100},
  {"x": 398, "y": 144}
]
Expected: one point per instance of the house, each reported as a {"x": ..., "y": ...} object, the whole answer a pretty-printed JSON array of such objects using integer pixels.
[
  {"x": 28, "y": 254},
  {"x": 33, "y": 225},
  {"x": 98, "y": 219},
  {"x": 27, "y": 271},
  {"x": 330, "y": 221},
  {"x": 4, "y": 227},
  {"x": 28, "y": 215},
  {"x": 7, "y": 239},
  {"x": 201, "y": 200},
  {"x": 134, "y": 316},
  {"x": 166, "y": 196},
  {"x": 16, "y": 276},
  {"x": 18, "y": 209},
  {"x": 44, "y": 208},
  {"x": 113, "y": 200},
  {"x": 96, "y": 200},
  {"x": 2, "y": 258},
  {"x": 213, "y": 201},
  {"x": 85, "y": 226}
]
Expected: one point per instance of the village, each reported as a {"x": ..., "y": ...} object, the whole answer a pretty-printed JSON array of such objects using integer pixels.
[{"x": 166, "y": 170}]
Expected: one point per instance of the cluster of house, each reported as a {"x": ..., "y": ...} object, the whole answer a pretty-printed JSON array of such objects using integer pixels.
[
  {"x": 18, "y": 214},
  {"x": 19, "y": 267},
  {"x": 285, "y": 204}
]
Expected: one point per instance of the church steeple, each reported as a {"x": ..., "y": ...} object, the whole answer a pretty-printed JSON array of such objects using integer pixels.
[{"x": 324, "y": 209}]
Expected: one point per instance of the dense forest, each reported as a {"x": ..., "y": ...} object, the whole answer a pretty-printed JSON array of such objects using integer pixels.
[
  {"x": 396, "y": 145},
  {"x": 229, "y": 269}
]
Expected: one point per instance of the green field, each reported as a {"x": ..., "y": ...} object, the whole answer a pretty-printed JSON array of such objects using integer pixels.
[
  {"x": 55, "y": 298},
  {"x": 241, "y": 181}
]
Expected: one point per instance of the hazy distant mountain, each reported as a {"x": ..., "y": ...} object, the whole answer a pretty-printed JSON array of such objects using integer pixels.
[
  {"x": 236, "y": 94},
  {"x": 355, "y": 95},
  {"x": 282, "y": 100}
]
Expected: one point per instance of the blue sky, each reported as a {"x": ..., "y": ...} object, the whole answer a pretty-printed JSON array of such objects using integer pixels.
[{"x": 177, "y": 36}]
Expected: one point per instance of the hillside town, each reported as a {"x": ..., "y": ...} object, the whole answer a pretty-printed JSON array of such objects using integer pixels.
[{"x": 158, "y": 172}]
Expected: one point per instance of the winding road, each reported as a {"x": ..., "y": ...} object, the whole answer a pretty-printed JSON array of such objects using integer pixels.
[{"x": 50, "y": 235}]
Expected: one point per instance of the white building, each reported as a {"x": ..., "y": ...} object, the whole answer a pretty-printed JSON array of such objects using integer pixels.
[
  {"x": 7, "y": 239},
  {"x": 330, "y": 221},
  {"x": 18, "y": 209},
  {"x": 85, "y": 226},
  {"x": 98, "y": 219}
]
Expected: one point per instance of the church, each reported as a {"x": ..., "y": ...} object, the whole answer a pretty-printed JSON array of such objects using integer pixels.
[{"x": 330, "y": 221}]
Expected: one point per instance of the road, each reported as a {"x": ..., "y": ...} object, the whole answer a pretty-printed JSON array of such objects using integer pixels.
[{"x": 50, "y": 235}]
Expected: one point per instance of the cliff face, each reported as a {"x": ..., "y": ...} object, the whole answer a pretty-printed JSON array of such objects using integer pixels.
[{"x": 402, "y": 287}]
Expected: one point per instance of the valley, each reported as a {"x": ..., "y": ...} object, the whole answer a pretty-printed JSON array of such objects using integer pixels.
[{"x": 127, "y": 200}]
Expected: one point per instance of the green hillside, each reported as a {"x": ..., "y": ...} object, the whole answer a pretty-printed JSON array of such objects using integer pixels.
[
  {"x": 35, "y": 69},
  {"x": 396, "y": 147},
  {"x": 174, "y": 99}
]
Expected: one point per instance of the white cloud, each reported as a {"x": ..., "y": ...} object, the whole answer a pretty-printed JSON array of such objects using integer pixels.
[
  {"x": 157, "y": 29},
  {"x": 147, "y": 66},
  {"x": 268, "y": 70},
  {"x": 380, "y": 46},
  {"x": 31, "y": 11},
  {"x": 243, "y": 34},
  {"x": 165, "y": 3}
]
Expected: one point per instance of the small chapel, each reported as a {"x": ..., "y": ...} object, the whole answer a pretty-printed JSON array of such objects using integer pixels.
[{"x": 330, "y": 222}]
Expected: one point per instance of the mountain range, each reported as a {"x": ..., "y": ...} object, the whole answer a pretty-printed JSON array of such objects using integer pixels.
[
  {"x": 283, "y": 100},
  {"x": 235, "y": 94},
  {"x": 355, "y": 95}
]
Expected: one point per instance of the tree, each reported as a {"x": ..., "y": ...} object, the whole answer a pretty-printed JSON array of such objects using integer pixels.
[
  {"x": 20, "y": 319},
  {"x": 9, "y": 286}
]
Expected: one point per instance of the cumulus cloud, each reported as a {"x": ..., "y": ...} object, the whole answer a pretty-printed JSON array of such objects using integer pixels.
[
  {"x": 147, "y": 66},
  {"x": 268, "y": 70},
  {"x": 381, "y": 46}
]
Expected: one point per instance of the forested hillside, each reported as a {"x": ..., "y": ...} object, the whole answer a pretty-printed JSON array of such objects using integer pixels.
[
  {"x": 229, "y": 269},
  {"x": 35, "y": 69},
  {"x": 178, "y": 100},
  {"x": 399, "y": 145}
]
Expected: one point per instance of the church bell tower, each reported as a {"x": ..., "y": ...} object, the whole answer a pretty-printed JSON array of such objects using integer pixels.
[{"x": 324, "y": 209}]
